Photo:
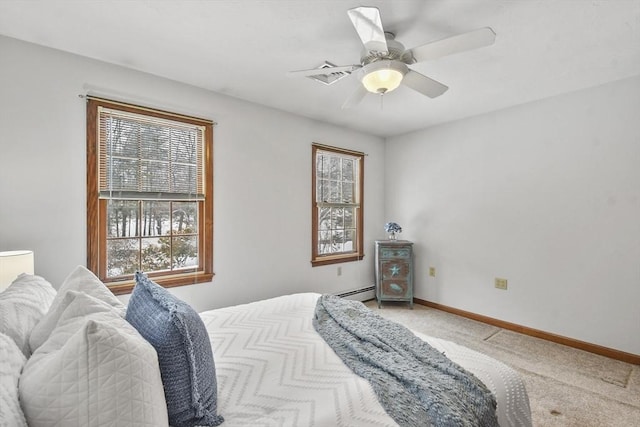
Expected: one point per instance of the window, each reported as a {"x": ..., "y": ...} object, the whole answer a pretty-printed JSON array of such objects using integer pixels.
[
  {"x": 149, "y": 195},
  {"x": 337, "y": 186}
]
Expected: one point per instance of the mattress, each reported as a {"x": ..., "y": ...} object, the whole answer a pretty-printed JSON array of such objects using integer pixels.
[{"x": 273, "y": 369}]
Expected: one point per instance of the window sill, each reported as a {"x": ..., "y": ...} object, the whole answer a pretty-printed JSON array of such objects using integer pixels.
[
  {"x": 336, "y": 259},
  {"x": 168, "y": 281}
]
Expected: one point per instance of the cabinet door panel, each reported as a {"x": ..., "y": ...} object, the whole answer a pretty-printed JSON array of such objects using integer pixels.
[
  {"x": 394, "y": 269},
  {"x": 395, "y": 288}
]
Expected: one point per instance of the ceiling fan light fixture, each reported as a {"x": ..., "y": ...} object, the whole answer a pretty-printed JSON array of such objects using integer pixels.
[
  {"x": 382, "y": 81},
  {"x": 383, "y": 76}
]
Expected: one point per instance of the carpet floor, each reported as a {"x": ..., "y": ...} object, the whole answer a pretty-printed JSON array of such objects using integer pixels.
[{"x": 567, "y": 387}]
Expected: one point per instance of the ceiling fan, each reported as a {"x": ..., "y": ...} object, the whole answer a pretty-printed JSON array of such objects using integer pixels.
[{"x": 384, "y": 61}]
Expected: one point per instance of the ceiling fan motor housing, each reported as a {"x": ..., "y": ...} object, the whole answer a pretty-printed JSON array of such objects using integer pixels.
[{"x": 395, "y": 51}]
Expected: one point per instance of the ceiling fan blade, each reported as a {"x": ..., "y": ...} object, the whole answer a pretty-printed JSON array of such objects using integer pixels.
[
  {"x": 460, "y": 43},
  {"x": 423, "y": 84},
  {"x": 355, "y": 98},
  {"x": 368, "y": 25},
  {"x": 324, "y": 71}
]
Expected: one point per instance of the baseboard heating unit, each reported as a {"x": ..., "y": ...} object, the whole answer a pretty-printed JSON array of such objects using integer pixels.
[{"x": 360, "y": 294}]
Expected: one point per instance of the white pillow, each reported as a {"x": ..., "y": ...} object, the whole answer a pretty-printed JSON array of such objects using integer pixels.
[
  {"x": 75, "y": 309},
  {"x": 94, "y": 370},
  {"x": 81, "y": 280},
  {"x": 22, "y": 305},
  {"x": 11, "y": 362}
]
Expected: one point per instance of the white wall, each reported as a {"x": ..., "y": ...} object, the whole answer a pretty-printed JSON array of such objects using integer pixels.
[
  {"x": 546, "y": 195},
  {"x": 262, "y": 161}
]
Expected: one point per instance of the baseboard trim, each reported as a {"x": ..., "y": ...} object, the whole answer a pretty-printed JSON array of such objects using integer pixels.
[{"x": 570, "y": 342}]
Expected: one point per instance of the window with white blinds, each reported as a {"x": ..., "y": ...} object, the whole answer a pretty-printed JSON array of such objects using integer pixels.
[
  {"x": 149, "y": 158},
  {"x": 149, "y": 195},
  {"x": 337, "y": 190}
]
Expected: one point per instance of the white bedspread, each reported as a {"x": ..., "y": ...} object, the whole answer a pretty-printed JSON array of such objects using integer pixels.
[{"x": 274, "y": 369}]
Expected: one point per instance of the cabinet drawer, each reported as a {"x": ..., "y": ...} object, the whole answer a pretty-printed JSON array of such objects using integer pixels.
[
  {"x": 394, "y": 288},
  {"x": 387, "y": 253}
]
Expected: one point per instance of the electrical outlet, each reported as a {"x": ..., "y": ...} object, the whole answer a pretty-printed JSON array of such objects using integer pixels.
[
  {"x": 501, "y": 283},
  {"x": 339, "y": 271},
  {"x": 432, "y": 271}
]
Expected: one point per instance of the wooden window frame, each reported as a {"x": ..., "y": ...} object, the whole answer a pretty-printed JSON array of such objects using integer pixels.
[
  {"x": 97, "y": 208},
  {"x": 318, "y": 259}
]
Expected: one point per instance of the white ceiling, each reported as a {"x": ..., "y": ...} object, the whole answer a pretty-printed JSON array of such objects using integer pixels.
[{"x": 244, "y": 49}]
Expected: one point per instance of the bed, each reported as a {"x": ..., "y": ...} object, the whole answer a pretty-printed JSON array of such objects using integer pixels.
[
  {"x": 78, "y": 357},
  {"x": 275, "y": 370}
]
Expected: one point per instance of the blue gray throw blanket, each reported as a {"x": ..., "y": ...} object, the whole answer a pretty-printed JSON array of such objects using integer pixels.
[{"x": 415, "y": 383}]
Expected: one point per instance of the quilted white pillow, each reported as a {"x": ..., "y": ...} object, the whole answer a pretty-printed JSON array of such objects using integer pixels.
[
  {"x": 11, "y": 362},
  {"x": 81, "y": 280},
  {"x": 75, "y": 309},
  {"x": 22, "y": 305},
  {"x": 93, "y": 370}
]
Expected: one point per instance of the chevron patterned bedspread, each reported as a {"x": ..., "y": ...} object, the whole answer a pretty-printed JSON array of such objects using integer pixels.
[{"x": 273, "y": 369}]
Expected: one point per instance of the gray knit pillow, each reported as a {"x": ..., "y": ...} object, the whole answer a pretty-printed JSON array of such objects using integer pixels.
[{"x": 179, "y": 336}]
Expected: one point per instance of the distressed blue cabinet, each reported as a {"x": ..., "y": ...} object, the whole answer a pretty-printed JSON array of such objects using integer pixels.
[{"x": 394, "y": 271}]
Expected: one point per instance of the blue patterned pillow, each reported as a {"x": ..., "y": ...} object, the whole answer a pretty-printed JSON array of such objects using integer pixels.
[{"x": 179, "y": 336}]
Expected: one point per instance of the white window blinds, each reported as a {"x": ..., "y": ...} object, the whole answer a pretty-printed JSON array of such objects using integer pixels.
[
  {"x": 148, "y": 158},
  {"x": 336, "y": 179}
]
